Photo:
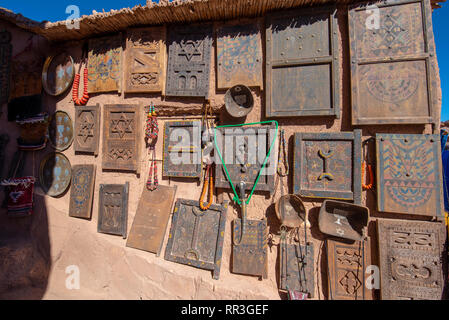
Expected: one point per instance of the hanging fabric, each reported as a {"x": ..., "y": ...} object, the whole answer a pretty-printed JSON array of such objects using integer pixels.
[
  {"x": 20, "y": 196},
  {"x": 76, "y": 83},
  {"x": 151, "y": 136}
]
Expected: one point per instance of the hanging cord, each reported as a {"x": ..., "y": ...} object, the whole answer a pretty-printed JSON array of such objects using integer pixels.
[
  {"x": 151, "y": 135},
  {"x": 208, "y": 173},
  {"x": 367, "y": 167},
  {"x": 76, "y": 82},
  {"x": 208, "y": 181}
]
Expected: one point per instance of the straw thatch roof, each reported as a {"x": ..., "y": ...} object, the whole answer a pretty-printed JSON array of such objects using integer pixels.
[{"x": 177, "y": 11}]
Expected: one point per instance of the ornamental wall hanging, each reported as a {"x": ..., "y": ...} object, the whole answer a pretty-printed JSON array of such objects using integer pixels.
[
  {"x": 55, "y": 174},
  {"x": 113, "y": 209},
  {"x": 58, "y": 74},
  {"x": 60, "y": 131},
  {"x": 87, "y": 129},
  {"x": 33, "y": 132},
  {"x": 393, "y": 76},
  {"x": 26, "y": 78},
  {"x": 5, "y": 65},
  {"x": 409, "y": 173},
  {"x": 19, "y": 196},
  {"x": 82, "y": 191}
]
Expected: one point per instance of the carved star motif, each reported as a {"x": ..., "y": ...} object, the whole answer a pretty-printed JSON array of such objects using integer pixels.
[
  {"x": 122, "y": 126},
  {"x": 86, "y": 130},
  {"x": 190, "y": 49}
]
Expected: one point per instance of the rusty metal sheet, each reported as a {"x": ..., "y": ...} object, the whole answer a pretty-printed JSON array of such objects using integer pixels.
[
  {"x": 113, "y": 209},
  {"x": 26, "y": 78},
  {"x": 121, "y": 137},
  {"x": 196, "y": 236},
  {"x": 182, "y": 149},
  {"x": 244, "y": 151},
  {"x": 5, "y": 65},
  {"x": 250, "y": 256},
  {"x": 82, "y": 191},
  {"x": 60, "y": 131},
  {"x": 393, "y": 65},
  {"x": 347, "y": 266},
  {"x": 55, "y": 174},
  {"x": 297, "y": 268},
  {"x": 105, "y": 64},
  {"x": 302, "y": 63},
  {"x": 239, "y": 55},
  {"x": 151, "y": 219},
  {"x": 328, "y": 165},
  {"x": 411, "y": 259},
  {"x": 189, "y": 58},
  {"x": 409, "y": 174},
  {"x": 87, "y": 129},
  {"x": 145, "y": 60}
]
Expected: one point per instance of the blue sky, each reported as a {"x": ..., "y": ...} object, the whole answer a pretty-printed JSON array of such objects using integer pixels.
[{"x": 55, "y": 10}]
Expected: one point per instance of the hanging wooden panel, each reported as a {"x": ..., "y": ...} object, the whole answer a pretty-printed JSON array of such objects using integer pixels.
[
  {"x": 411, "y": 259},
  {"x": 105, "y": 64},
  {"x": 5, "y": 65},
  {"x": 328, "y": 165},
  {"x": 82, "y": 191},
  {"x": 113, "y": 209},
  {"x": 393, "y": 64},
  {"x": 189, "y": 60},
  {"x": 239, "y": 55},
  {"x": 26, "y": 78},
  {"x": 60, "y": 131},
  {"x": 409, "y": 178},
  {"x": 182, "y": 149},
  {"x": 145, "y": 60},
  {"x": 87, "y": 129},
  {"x": 302, "y": 63},
  {"x": 297, "y": 268},
  {"x": 121, "y": 137},
  {"x": 151, "y": 219}
]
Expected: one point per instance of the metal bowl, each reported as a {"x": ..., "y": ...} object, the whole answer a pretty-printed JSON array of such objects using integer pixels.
[
  {"x": 290, "y": 211},
  {"x": 239, "y": 101}
]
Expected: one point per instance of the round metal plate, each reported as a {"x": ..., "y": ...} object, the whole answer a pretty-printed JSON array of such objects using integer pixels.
[
  {"x": 55, "y": 174},
  {"x": 58, "y": 74},
  {"x": 239, "y": 101},
  {"x": 60, "y": 131}
]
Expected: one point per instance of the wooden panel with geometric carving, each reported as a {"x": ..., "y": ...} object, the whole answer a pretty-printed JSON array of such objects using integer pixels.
[
  {"x": 411, "y": 259},
  {"x": 82, "y": 191},
  {"x": 145, "y": 60},
  {"x": 113, "y": 209},
  {"x": 87, "y": 129},
  {"x": 5, "y": 65}
]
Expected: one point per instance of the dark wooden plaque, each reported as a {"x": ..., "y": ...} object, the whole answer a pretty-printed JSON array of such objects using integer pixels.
[
  {"x": 250, "y": 256},
  {"x": 182, "y": 149},
  {"x": 5, "y": 65},
  {"x": 4, "y": 140},
  {"x": 55, "y": 174},
  {"x": 196, "y": 236},
  {"x": 244, "y": 150},
  {"x": 151, "y": 219},
  {"x": 60, "y": 131},
  {"x": 239, "y": 55},
  {"x": 82, "y": 191},
  {"x": 297, "y": 268},
  {"x": 347, "y": 266},
  {"x": 411, "y": 259},
  {"x": 121, "y": 137},
  {"x": 328, "y": 165},
  {"x": 145, "y": 60},
  {"x": 393, "y": 64},
  {"x": 302, "y": 63},
  {"x": 87, "y": 129},
  {"x": 113, "y": 209},
  {"x": 26, "y": 78},
  {"x": 105, "y": 64},
  {"x": 189, "y": 58},
  {"x": 409, "y": 174}
]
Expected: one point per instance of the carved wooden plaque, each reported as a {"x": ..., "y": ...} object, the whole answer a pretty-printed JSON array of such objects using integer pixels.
[
  {"x": 26, "y": 77},
  {"x": 239, "y": 55},
  {"x": 5, "y": 65},
  {"x": 121, "y": 137},
  {"x": 297, "y": 268},
  {"x": 113, "y": 209},
  {"x": 182, "y": 149},
  {"x": 347, "y": 266},
  {"x": 189, "y": 58},
  {"x": 105, "y": 64},
  {"x": 393, "y": 64},
  {"x": 151, "y": 219},
  {"x": 249, "y": 253},
  {"x": 410, "y": 259},
  {"x": 82, "y": 191},
  {"x": 302, "y": 63},
  {"x": 87, "y": 129},
  {"x": 409, "y": 174},
  {"x": 145, "y": 60},
  {"x": 328, "y": 165},
  {"x": 196, "y": 236}
]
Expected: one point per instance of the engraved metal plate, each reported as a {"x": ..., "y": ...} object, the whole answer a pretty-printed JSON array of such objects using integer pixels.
[
  {"x": 105, "y": 64},
  {"x": 302, "y": 63},
  {"x": 250, "y": 256},
  {"x": 393, "y": 76},
  {"x": 60, "y": 130},
  {"x": 196, "y": 236},
  {"x": 151, "y": 219},
  {"x": 189, "y": 60},
  {"x": 347, "y": 266},
  {"x": 5, "y": 65},
  {"x": 410, "y": 259},
  {"x": 87, "y": 129},
  {"x": 113, "y": 209},
  {"x": 145, "y": 60},
  {"x": 297, "y": 268},
  {"x": 121, "y": 137},
  {"x": 328, "y": 165},
  {"x": 239, "y": 55},
  {"x": 55, "y": 174},
  {"x": 58, "y": 74},
  {"x": 182, "y": 149},
  {"x": 409, "y": 174},
  {"x": 82, "y": 191}
]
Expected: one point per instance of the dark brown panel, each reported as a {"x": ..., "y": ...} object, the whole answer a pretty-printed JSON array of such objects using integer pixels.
[
  {"x": 5, "y": 65},
  {"x": 87, "y": 129},
  {"x": 26, "y": 78},
  {"x": 113, "y": 209},
  {"x": 82, "y": 191}
]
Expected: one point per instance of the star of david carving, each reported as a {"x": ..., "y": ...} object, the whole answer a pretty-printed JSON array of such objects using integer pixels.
[
  {"x": 86, "y": 129},
  {"x": 122, "y": 126},
  {"x": 188, "y": 51}
]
